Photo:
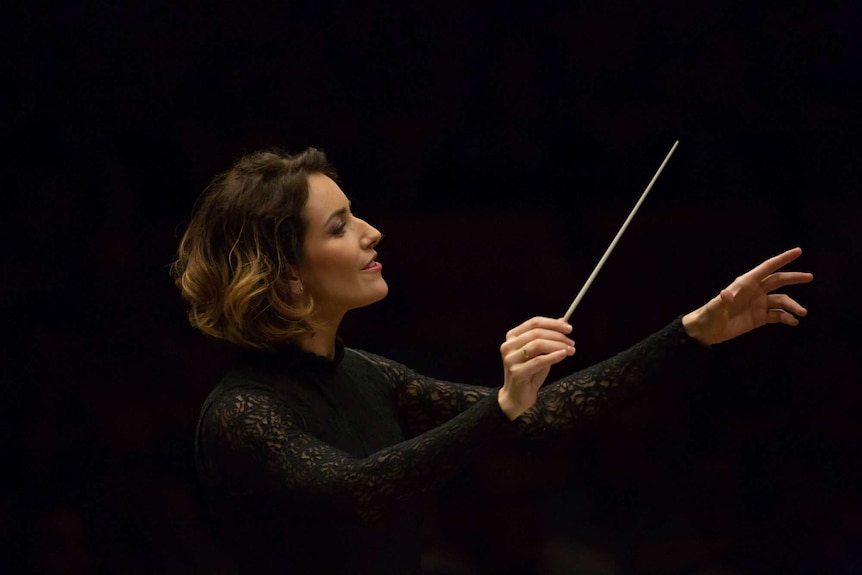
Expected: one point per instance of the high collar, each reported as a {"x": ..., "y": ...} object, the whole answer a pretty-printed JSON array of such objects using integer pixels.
[{"x": 293, "y": 358}]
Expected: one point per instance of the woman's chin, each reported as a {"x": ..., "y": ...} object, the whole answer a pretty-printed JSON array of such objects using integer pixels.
[
  {"x": 378, "y": 295},
  {"x": 383, "y": 293}
]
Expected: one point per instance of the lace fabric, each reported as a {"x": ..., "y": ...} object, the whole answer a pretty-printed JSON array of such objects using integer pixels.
[
  {"x": 425, "y": 402},
  {"x": 267, "y": 450},
  {"x": 257, "y": 444}
]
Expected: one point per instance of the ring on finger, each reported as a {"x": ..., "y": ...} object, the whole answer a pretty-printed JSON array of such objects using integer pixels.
[{"x": 526, "y": 355}]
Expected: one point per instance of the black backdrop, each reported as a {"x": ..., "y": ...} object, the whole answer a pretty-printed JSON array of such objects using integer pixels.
[{"x": 498, "y": 149}]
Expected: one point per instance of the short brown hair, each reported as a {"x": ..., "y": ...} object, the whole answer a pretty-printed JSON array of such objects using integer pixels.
[{"x": 243, "y": 244}]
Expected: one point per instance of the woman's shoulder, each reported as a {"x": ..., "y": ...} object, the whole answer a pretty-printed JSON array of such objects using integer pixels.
[
  {"x": 246, "y": 393},
  {"x": 238, "y": 382}
]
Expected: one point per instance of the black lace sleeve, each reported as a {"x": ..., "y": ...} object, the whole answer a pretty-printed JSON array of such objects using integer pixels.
[
  {"x": 565, "y": 402},
  {"x": 426, "y": 402},
  {"x": 256, "y": 448}
]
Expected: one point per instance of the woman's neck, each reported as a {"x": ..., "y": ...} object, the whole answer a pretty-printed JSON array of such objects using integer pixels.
[{"x": 322, "y": 341}]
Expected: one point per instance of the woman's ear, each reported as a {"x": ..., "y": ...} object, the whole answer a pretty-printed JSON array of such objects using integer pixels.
[{"x": 295, "y": 283}]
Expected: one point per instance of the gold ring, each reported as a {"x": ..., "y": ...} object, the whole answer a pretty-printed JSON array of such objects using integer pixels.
[{"x": 526, "y": 355}]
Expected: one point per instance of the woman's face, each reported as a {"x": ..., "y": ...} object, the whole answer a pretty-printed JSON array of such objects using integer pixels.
[{"x": 339, "y": 269}]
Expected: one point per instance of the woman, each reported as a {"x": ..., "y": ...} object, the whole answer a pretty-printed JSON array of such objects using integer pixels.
[{"x": 312, "y": 454}]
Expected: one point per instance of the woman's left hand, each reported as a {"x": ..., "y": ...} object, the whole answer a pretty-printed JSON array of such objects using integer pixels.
[{"x": 748, "y": 303}]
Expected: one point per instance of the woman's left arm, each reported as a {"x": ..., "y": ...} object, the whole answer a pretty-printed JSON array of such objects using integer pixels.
[{"x": 746, "y": 304}]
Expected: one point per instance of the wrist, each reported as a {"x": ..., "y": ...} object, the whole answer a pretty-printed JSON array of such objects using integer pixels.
[
  {"x": 508, "y": 406},
  {"x": 694, "y": 324}
]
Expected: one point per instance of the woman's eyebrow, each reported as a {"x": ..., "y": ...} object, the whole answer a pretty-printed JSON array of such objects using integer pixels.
[{"x": 340, "y": 213}]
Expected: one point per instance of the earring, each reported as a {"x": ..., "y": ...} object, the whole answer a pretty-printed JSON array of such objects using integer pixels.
[{"x": 301, "y": 289}]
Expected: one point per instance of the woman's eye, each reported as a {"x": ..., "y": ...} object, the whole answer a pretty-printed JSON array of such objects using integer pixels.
[{"x": 338, "y": 230}]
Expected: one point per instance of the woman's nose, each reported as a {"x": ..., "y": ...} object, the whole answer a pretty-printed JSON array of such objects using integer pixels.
[{"x": 373, "y": 236}]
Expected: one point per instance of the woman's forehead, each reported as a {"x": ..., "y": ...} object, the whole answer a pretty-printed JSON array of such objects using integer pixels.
[{"x": 324, "y": 198}]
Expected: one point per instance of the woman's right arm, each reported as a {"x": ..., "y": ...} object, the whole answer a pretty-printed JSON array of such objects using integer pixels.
[
  {"x": 528, "y": 353},
  {"x": 253, "y": 444}
]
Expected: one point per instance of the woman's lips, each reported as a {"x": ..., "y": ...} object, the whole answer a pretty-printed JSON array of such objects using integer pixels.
[{"x": 373, "y": 265}]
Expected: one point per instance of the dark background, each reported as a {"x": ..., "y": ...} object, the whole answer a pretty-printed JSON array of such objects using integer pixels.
[{"x": 499, "y": 149}]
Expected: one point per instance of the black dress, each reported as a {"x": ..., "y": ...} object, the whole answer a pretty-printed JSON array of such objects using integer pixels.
[{"x": 313, "y": 465}]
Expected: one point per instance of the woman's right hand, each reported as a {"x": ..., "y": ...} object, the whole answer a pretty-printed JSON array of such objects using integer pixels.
[{"x": 528, "y": 354}]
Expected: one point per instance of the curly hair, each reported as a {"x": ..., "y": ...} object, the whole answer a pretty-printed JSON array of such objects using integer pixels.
[{"x": 243, "y": 245}]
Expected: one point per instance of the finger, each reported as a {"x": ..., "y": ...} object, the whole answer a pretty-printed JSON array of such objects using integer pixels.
[
  {"x": 542, "y": 347},
  {"x": 559, "y": 325},
  {"x": 785, "y": 302},
  {"x": 781, "y": 316},
  {"x": 775, "y": 263},
  {"x": 780, "y": 279},
  {"x": 513, "y": 355},
  {"x": 535, "y": 349},
  {"x": 539, "y": 363},
  {"x": 535, "y": 335}
]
